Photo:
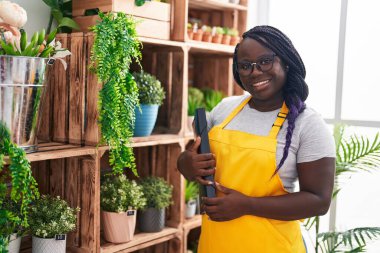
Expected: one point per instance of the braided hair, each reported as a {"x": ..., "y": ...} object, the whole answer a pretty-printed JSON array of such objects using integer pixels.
[{"x": 295, "y": 89}]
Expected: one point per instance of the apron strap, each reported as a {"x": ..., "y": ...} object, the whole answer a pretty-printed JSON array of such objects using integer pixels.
[
  {"x": 277, "y": 125},
  {"x": 234, "y": 112}
]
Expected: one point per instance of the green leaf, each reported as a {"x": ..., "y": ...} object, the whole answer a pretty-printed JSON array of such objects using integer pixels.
[
  {"x": 57, "y": 14},
  {"x": 51, "y": 3},
  {"x": 68, "y": 22}
]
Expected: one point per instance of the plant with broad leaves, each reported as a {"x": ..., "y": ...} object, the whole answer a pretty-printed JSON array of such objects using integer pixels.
[{"x": 61, "y": 12}]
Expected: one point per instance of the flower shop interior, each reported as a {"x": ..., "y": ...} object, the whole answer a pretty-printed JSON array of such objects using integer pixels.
[{"x": 83, "y": 169}]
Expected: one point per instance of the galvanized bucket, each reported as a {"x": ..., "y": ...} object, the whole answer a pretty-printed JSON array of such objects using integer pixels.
[{"x": 21, "y": 88}]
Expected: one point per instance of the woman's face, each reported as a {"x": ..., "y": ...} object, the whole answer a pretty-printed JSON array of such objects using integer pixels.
[{"x": 263, "y": 86}]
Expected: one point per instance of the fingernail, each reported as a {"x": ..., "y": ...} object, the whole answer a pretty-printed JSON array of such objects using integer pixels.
[
  {"x": 216, "y": 183},
  {"x": 210, "y": 183}
]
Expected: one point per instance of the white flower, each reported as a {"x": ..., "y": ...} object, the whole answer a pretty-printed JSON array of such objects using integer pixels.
[{"x": 12, "y": 14}]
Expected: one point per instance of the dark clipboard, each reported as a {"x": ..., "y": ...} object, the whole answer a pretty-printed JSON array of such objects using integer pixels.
[{"x": 200, "y": 123}]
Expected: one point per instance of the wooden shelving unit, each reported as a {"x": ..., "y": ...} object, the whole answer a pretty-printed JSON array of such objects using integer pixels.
[{"x": 70, "y": 159}]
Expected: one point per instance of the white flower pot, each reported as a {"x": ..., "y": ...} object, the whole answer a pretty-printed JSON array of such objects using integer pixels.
[
  {"x": 14, "y": 243},
  {"x": 48, "y": 245},
  {"x": 191, "y": 208}
]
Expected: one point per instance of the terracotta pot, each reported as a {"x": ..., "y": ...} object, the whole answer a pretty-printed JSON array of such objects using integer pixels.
[
  {"x": 226, "y": 39},
  {"x": 190, "y": 34},
  {"x": 217, "y": 38},
  {"x": 198, "y": 35},
  {"x": 119, "y": 227},
  {"x": 206, "y": 37},
  {"x": 234, "y": 40}
]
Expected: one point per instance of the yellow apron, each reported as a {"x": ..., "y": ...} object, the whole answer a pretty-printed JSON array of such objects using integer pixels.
[{"x": 246, "y": 163}]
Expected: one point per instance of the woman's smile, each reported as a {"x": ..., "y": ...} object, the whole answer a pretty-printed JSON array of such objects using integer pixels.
[{"x": 262, "y": 85}]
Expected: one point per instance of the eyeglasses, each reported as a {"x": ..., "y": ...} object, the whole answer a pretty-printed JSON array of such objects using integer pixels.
[{"x": 263, "y": 64}]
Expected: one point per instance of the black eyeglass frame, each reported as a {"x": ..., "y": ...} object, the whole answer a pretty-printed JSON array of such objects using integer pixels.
[{"x": 258, "y": 66}]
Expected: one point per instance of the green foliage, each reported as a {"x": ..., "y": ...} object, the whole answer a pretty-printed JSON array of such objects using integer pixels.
[
  {"x": 195, "y": 100},
  {"x": 219, "y": 30},
  {"x": 116, "y": 45},
  {"x": 61, "y": 12},
  {"x": 157, "y": 191},
  {"x": 191, "y": 190},
  {"x": 23, "y": 187},
  {"x": 119, "y": 194},
  {"x": 354, "y": 154},
  {"x": 150, "y": 89},
  {"x": 50, "y": 216},
  {"x": 353, "y": 240},
  {"x": 212, "y": 98},
  {"x": 38, "y": 46}
]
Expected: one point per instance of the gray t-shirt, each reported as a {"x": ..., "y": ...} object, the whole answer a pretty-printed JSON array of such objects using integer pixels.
[{"x": 311, "y": 140}]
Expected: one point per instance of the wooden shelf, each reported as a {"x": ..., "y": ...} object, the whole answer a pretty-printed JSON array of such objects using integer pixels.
[
  {"x": 141, "y": 241},
  {"x": 192, "y": 223},
  {"x": 209, "y": 48},
  {"x": 49, "y": 151},
  {"x": 215, "y": 5},
  {"x": 158, "y": 42}
]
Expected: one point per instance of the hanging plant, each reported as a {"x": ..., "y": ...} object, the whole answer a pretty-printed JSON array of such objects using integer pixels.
[
  {"x": 116, "y": 45},
  {"x": 18, "y": 188}
]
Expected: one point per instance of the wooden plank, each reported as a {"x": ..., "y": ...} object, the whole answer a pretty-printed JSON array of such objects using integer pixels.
[
  {"x": 164, "y": 74},
  {"x": 77, "y": 88},
  {"x": 60, "y": 96},
  {"x": 192, "y": 223},
  {"x": 179, "y": 101},
  {"x": 179, "y": 20},
  {"x": 57, "y": 178},
  {"x": 42, "y": 174},
  {"x": 141, "y": 240},
  {"x": 177, "y": 209},
  {"x": 73, "y": 196},
  {"x": 92, "y": 134},
  {"x": 153, "y": 10},
  {"x": 145, "y": 28},
  {"x": 175, "y": 245},
  {"x": 214, "y": 5},
  {"x": 90, "y": 205},
  {"x": 224, "y": 78}
]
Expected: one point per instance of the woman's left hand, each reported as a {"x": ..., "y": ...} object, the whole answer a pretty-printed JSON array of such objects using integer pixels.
[{"x": 228, "y": 207}]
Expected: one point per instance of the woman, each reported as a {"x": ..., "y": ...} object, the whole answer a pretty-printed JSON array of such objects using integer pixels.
[{"x": 262, "y": 143}]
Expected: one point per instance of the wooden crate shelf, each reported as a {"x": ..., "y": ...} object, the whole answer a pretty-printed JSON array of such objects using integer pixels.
[
  {"x": 215, "y": 5},
  {"x": 209, "y": 48},
  {"x": 192, "y": 223},
  {"x": 141, "y": 240}
]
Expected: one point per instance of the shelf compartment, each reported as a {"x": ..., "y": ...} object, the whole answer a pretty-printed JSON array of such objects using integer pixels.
[
  {"x": 192, "y": 223},
  {"x": 215, "y": 5},
  {"x": 141, "y": 240}
]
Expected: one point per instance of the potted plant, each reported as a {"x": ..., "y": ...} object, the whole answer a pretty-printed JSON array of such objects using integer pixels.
[
  {"x": 51, "y": 218},
  {"x": 22, "y": 70},
  {"x": 151, "y": 96},
  {"x": 119, "y": 200},
  {"x": 226, "y": 36},
  {"x": 158, "y": 194},
  {"x": 190, "y": 31},
  {"x": 112, "y": 53},
  {"x": 191, "y": 195},
  {"x": 18, "y": 189},
  {"x": 198, "y": 33},
  {"x": 211, "y": 98},
  {"x": 194, "y": 100},
  {"x": 207, "y": 36},
  {"x": 234, "y": 33},
  {"x": 217, "y": 34}
]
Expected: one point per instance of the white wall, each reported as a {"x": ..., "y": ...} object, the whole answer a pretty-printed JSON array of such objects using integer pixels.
[{"x": 38, "y": 15}]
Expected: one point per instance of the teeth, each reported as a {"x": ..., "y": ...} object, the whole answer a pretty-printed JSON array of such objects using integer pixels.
[{"x": 261, "y": 83}]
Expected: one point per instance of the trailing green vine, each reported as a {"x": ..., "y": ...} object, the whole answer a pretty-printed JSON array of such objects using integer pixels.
[
  {"x": 23, "y": 187},
  {"x": 116, "y": 45}
]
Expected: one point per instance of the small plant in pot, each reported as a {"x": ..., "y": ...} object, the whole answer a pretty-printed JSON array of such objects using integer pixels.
[
  {"x": 194, "y": 100},
  {"x": 207, "y": 33},
  {"x": 158, "y": 194},
  {"x": 151, "y": 96},
  {"x": 191, "y": 195},
  {"x": 119, "y": 200},
  {"x": 234, "y": 37},
  {"x": 217, "y": 34},
  {"x": 51, "y": 218},
  {"x": 226, "y": 36}
]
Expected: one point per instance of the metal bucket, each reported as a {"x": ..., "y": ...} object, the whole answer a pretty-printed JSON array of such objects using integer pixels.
[{"x": 21, "y": 88}]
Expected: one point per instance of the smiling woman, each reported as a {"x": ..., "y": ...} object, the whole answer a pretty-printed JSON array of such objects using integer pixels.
[{"x": 262, "y": 143}]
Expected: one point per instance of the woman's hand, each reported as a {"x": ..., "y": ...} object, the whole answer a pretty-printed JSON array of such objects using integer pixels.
[
  {"x": 231, "y": 206},
  {"x": 194, "y": 166}
]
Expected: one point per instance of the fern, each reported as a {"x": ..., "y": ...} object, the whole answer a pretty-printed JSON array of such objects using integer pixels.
[
  {"x": 14, "y": 205},
  {"x": 115, "y": 47}
]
